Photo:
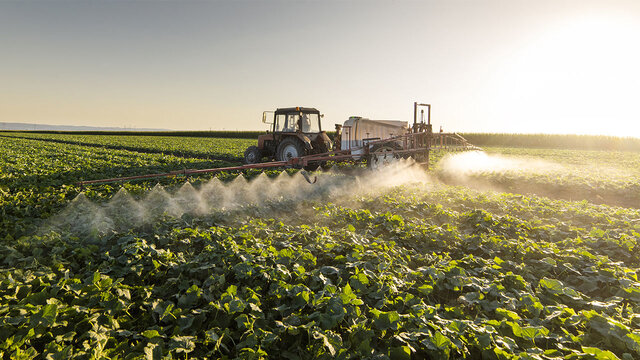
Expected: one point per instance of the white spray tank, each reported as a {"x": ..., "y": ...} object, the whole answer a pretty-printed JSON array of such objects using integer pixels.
[{"x": 357, "y": 131}]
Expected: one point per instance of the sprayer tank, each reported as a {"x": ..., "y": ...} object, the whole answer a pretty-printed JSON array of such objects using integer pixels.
[{"x": 357, "y": 131}]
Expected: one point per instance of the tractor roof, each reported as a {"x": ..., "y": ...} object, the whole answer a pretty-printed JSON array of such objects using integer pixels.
[{"x": 297, "y": 109}]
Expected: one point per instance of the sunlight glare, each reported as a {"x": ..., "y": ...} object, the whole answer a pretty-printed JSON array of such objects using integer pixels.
[{"x": 583, "y": 73}]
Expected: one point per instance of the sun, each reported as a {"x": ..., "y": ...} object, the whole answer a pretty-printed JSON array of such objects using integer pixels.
[{"x": 582, "y": 74}]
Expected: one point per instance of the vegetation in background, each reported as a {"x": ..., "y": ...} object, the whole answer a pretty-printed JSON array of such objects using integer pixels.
[
  {"x": 550, "y": 141},
  {"x": 229, "y": 149},
  {"x": 214, "y": 134},
  {"x": 601, "y": 177}
]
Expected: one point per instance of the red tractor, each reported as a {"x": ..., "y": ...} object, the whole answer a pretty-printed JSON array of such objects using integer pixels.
[{"x": 295, "y": 132}]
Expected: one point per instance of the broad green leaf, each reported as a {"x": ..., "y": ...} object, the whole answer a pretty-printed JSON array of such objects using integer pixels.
[
  {"x": 553, "y": 285},
  {"x": 400, "y": 353},
  {"x": 441, "y": 341},
  {"x": 600, "y": 354},
  {"x": 150, "y": 334},
  {"x": 507, "y": 314},
  {"x": 425, "y": 289},
  {"x": 386, "y": 319}
]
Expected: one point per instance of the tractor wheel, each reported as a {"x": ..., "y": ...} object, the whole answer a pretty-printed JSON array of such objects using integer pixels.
[
  {"x": 252, "y": 155},
  {"x": 289, "y": 148},
  {"x": 382, "y": 154}
]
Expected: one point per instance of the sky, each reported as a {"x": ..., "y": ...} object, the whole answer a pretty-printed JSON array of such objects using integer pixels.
[{"x": 560, "y": 66}]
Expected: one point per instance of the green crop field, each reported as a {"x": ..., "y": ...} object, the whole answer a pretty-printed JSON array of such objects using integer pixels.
[
  {"x": 510, "y": 253},
  {"x": 199, "y": 147}
]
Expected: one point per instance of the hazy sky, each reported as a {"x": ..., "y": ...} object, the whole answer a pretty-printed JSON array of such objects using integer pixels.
[{"x": 488, "y": 66}]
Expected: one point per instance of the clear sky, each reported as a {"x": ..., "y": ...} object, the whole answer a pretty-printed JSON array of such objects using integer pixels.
[{"x": 485, "y": 65}]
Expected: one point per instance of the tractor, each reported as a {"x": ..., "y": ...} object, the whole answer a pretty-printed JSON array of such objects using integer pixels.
[{"x": 295, "y": 132}]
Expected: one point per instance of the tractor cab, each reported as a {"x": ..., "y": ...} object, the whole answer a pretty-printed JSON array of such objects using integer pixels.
[
  {"x": 294, "y": 132},
  {"x": 298, "y": 119}
]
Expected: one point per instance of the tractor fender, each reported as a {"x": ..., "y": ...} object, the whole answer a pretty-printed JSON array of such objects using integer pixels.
[
  {"x": 306, "y": 141},
  {"x": 324, "y": 138},
  {"x": 262, "y": 139}
]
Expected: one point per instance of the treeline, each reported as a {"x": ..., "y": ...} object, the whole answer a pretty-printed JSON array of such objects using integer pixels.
[{"x": 578, "y": 142}]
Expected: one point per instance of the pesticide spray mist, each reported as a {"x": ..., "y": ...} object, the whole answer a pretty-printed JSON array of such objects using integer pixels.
[
  {"x": 477, "y": 170},
  {"x": 122, "y": 212},
  {"x": 473, "y": 162},
  {"x": 84, "y": 217}
]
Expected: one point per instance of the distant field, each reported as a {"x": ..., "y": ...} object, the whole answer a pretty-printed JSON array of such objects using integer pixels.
[
  {"x": 579, "y": 142},
  {"x": 601, "y": 177},
  {"x": 607, "y": 177},
  {"x": 201, "y": 147},
  {"x": 215, "y": 133},
  {"x": 549, "y": 141}
]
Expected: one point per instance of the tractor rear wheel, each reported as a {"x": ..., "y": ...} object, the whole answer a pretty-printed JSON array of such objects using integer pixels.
[
  {"x": 382, "y": 154},
  {"x": 289, "y": 148},
  {"x": 252, "y": 155}
]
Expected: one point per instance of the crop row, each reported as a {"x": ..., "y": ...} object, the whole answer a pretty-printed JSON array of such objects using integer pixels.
[
  {"x": 606, "y": 177},
  {"x": 37, "y": 178},
  {"x": 201, "y": 147}
]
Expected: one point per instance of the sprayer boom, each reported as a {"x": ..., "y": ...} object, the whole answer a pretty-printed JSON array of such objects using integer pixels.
[
  {"x": 416, "y": 148},
  {"x": 374, "y": 141},
  {"x": 186, "y": 172}
]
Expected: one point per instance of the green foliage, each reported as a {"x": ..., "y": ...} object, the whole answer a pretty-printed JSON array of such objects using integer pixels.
[
  {"x": 221, "y": 148},
  {"x": 415, "y": 271},
  {"x": 37, "y": 178}
]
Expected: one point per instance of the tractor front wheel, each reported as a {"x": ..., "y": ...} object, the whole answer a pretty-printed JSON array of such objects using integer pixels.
[
  {"x": 252, "y": 155},
  {"x": 289, "y": 148}
]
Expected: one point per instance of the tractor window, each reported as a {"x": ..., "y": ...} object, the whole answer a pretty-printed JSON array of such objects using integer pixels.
[
  {"x": 310, "y": 123},
  {"x": 287, "y": 123},
  {"x": 292, "y": 122},
  {"x": 279, "y": 123}
]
